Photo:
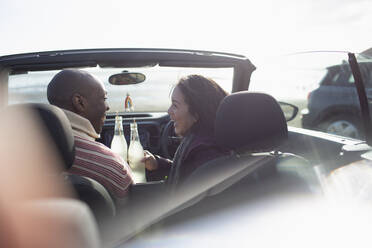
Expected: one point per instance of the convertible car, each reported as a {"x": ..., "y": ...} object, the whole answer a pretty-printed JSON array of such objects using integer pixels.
[{"x": 281, "y": 185}]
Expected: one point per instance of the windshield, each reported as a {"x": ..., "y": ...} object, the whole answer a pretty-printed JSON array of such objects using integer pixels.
[
  {"x": 321, "y": 85},
  {"x": 31, "y": 87}
]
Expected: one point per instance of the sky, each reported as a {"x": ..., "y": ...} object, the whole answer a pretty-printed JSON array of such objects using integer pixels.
[{"x": 253, "y": 28}]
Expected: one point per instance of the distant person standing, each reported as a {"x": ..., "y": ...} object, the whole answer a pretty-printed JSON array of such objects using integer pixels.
[{"x": 83, "y": 99}]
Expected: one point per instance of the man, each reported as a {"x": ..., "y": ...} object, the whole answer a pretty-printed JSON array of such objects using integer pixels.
[{"x": 83, "y": 99}]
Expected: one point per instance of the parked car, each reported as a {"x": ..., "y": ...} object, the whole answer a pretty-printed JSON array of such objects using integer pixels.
[
  {"x": 334, "y": 106},
  {"x": 275, "y": 186}
]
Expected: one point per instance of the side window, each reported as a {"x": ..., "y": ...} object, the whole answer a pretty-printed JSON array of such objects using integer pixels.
[
  {"x": 366, "y": 71},
  {"x": 342, "y": 76},
  {"x": 338, "y": 76},
  {"x": 351, "y": 79},
  {"x": 369, "y": 79}
]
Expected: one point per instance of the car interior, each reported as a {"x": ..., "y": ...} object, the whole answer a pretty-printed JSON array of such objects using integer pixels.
[
  {"x": 255, "y": 162},
  {"x": 265, "y": 152}
]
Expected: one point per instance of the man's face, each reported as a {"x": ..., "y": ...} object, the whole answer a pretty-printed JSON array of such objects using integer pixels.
[{"x": 97, "y": 106}]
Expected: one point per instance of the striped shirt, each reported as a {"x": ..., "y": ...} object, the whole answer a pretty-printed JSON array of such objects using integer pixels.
[{"x": 96, "y": 161}]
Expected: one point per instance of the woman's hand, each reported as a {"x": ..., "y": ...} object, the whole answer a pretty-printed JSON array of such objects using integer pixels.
[{"x": 150, "y": 161}]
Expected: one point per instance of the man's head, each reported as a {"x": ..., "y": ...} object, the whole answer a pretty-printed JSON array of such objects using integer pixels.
[{"x": 81, "y": 93}]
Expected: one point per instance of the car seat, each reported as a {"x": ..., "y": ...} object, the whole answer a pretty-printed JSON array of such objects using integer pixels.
[
  {"x": 252, "y": 125},
  {"x": 58, "y": 127}
]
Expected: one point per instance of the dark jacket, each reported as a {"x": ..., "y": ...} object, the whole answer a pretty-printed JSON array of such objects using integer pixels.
[{"x": 199, "y": 150}]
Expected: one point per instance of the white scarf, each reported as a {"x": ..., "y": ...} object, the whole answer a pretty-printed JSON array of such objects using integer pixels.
[{"x": 81, "y": 126}]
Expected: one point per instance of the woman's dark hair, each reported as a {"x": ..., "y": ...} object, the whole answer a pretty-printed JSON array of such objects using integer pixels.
[{"x": 203, "y": 96}]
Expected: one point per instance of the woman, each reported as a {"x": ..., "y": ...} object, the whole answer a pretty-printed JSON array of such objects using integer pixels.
[{"x": 195, "y": 100}]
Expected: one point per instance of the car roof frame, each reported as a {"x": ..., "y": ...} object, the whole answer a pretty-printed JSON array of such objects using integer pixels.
[{"x": 131, "y": 57}]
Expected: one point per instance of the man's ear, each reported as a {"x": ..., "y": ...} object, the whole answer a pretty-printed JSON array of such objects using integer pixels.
[{"x": 78, "y": 102}]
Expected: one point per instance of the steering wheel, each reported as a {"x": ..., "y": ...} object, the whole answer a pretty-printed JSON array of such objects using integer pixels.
[{"x": 169, "y": 141}]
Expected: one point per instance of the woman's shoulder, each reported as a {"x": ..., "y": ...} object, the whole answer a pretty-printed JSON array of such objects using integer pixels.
[
  {"x": 206, "y": 145},
  {"x": 200, "y": 151}
]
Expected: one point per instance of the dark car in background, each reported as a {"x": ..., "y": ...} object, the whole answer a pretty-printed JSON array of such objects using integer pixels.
[{"x": 334, "y": 107}]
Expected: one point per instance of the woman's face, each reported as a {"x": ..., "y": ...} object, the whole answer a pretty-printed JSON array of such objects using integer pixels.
[{"x": 179, "y": 113}]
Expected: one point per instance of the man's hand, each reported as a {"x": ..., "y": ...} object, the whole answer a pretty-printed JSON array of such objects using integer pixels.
[{"x": 150, "y": 161}]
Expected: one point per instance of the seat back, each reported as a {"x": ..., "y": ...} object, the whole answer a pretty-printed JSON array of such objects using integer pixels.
[
  {"x": 94, "y": 195},
  {"x": 72, "y": 218},
  {"x": 253, "y": 126},
  {"x": 248, "y": 121},
  {"x": 58, "y": 127}
]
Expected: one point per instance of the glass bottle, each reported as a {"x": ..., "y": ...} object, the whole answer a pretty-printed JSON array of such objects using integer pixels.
[
  {"x": 118, "y": 143},
  {"x": 135, "y": 155}
]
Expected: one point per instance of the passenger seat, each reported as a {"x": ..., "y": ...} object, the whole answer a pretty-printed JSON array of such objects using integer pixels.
[{"x": 252, "y": 125}]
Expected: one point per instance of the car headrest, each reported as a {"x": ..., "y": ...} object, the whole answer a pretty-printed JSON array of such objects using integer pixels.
[
  {"x": 250, "y": 121},
  {"x": 57, "y": 127}
]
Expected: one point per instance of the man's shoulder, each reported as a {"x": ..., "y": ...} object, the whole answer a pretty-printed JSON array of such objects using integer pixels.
[
  {"x": 85, "y": 147},
  {"x": 84, "y": 143}
]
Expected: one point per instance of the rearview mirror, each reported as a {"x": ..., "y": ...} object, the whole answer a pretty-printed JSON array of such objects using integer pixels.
[
  {"x": 290, "y": 111},
  {"x": 125, "y": 78}
]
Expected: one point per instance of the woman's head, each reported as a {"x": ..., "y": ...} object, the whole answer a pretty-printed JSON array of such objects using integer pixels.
[{"x": 195, "y": 100}]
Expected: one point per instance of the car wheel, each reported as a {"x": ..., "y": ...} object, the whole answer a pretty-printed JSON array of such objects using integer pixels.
[{"x": 342, "y": 125}]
